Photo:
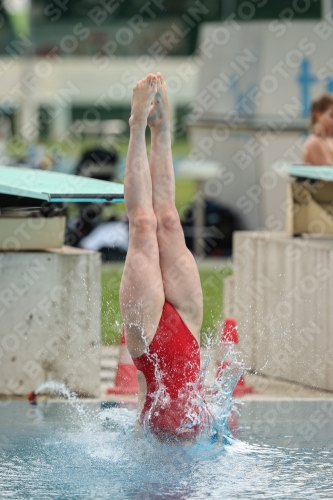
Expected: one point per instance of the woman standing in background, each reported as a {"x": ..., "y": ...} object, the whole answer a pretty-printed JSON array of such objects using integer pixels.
[{"x": 318, "y": 148}]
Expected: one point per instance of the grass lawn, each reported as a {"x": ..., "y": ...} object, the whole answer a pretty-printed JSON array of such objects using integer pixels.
[{"x": 212, "y": 285}]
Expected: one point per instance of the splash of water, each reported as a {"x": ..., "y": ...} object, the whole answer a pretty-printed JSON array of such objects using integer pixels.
[
  {"x": 230, "y": 371},
  {"x": 208, "y": 408},
  {"x": 56, "y": 388},
  {"x": 60, "y": 388}
]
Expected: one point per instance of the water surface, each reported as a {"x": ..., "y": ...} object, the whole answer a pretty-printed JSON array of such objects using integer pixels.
[{"x": 281, "y": 449}]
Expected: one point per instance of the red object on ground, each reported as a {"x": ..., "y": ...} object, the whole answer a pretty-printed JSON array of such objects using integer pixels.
[
  {"x": 32, "y": 398},
  {"x": 229, "y": 333},
  {"x": 230, "y": 336},
  {"x": 126, "y": 381},
  {"x": 241, "y": 388}
]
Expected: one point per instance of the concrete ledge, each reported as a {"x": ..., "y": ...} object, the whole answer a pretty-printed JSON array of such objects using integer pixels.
[
  {"x": 283, "y": 295},
  {"x": 50, "y": 320}
]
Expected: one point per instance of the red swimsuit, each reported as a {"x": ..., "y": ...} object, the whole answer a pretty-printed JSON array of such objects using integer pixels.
[{"x": 174, "y": 405}]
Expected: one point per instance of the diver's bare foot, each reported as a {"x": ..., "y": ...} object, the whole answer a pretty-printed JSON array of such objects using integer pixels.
[
  {"x": 143, "y": 95},
  {"x": 159, "y": 115}
]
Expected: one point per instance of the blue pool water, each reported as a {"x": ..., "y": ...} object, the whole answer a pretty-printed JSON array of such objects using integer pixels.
[{"x": 60, "y": 450}]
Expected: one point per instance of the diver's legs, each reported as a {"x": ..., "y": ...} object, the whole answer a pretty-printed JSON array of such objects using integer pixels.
[
  {"x": 141, "y": 290},
  {"x": 180, "y": 274}
]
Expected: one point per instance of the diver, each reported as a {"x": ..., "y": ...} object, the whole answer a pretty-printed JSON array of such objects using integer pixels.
[{"x": 160, "y": 293}]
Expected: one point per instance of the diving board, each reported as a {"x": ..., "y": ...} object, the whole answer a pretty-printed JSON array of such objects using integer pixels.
[
  {"x": 55, "y": 187},
  {"x": 319, "y": 172}
]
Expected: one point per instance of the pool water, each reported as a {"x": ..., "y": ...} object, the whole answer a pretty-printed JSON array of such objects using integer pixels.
[{"x": 61, "y": 450}]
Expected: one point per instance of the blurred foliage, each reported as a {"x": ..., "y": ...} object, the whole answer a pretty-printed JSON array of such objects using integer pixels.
[
  {"x": 125, "y": 9},
  {"x": 264, "y": 9},
  {"x": 92, "y": 25},
  {"x": 271, "y": 9},
  {"x": 212, "y": 285}
]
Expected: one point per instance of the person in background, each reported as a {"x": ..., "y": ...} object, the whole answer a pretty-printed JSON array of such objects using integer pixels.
[{"x": 318, "y": 148}]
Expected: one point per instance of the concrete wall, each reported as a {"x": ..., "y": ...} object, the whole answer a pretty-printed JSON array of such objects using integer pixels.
[
  {"x": 50, "y": 320},
  {"x": 247, "y": 125},
  {"x": 256, "y": 193},
  {"x": 283, "y": 295}
]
